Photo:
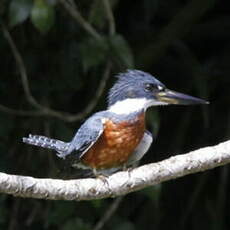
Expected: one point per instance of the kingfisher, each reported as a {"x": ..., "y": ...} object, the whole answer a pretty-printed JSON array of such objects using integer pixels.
[{"x": 117, "y": 138}]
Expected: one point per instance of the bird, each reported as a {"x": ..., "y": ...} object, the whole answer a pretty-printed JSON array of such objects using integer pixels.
[{"x": 116, "y": 138}]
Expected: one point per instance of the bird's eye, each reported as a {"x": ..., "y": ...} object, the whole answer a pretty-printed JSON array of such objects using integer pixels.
[{"x": 150, "y": 87}]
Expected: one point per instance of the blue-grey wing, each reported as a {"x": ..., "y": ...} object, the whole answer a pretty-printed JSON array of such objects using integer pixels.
[{"x": 87, "y": 134}]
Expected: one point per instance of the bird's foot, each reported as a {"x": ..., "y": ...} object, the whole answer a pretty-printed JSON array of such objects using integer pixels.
[
  {"x": 128, "y": 168},
  {"x": 100, "y": 176}
]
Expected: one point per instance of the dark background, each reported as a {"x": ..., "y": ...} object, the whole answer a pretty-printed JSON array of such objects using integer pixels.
[{"x": 185, "y": 44}]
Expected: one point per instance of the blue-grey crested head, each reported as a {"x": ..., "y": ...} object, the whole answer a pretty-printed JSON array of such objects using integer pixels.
[
  {"x": 134, "y": 84},
  {"x": 136, "y": 90}
]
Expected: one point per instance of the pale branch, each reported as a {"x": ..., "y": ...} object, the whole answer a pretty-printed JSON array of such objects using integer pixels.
[{"x": 120, "y": 183}]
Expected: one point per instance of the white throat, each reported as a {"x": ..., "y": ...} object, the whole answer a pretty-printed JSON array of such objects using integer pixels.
[{"x": 131, "y": 105}]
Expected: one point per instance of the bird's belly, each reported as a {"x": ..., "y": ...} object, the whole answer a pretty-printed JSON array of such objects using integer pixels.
[{"x": 116, "y": 144}]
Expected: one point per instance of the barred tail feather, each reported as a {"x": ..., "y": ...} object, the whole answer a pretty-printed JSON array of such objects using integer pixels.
[{"x": 45, "y": 142}]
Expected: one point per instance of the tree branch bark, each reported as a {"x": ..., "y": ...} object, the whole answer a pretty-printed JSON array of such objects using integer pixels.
[{"x": 119, "y": 183}]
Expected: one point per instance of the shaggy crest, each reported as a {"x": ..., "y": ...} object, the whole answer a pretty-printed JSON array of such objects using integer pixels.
[{"x": 128, "y": 84}]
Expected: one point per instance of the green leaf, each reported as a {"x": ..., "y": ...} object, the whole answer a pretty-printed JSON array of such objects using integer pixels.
[
  {"x": 19, "y": 11},
  {"x": 121, "y": 50},
  {"x": 93, "y": 52},
  {"x": 42, "y": 15}
]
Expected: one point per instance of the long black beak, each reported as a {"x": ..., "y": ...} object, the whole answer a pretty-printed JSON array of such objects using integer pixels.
[{"x": 172, "y": 97}]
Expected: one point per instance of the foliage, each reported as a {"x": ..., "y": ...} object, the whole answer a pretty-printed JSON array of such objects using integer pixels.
[{"x": 184, "y": 43}]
